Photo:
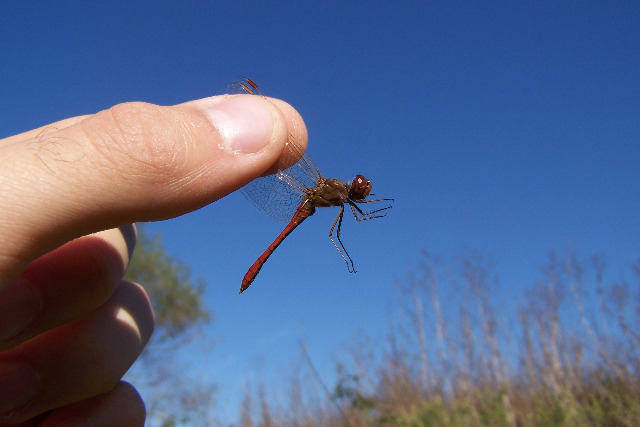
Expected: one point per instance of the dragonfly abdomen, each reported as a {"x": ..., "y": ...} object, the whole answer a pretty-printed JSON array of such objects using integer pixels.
[{"x": 303, "y": 212}]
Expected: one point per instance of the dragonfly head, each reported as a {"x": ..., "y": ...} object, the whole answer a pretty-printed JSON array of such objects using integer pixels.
[{"x": 360, "y": 188}]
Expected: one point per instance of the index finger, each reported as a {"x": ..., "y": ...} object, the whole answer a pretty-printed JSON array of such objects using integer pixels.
[{"x": 133, "y": 162}]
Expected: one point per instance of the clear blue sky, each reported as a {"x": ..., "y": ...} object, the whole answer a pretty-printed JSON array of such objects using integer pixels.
[{"x": 510, "y": 128}]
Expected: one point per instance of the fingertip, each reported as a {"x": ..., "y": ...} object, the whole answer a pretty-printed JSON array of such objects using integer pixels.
[
  {"x": 121, "y": 406},
  {"x": 134, "y": 309},
  {"x": 257, "y": 127},
  {"x": 245, "y": 123},
  {"x": 295, "y": 128},
  {"x": 130, "y": 235}
]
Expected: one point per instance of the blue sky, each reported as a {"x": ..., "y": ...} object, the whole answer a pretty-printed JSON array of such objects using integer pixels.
[{"x": 510, "y": 128}]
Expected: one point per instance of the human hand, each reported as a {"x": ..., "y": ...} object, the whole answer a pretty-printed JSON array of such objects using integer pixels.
[{"x": 70, "y": 327}]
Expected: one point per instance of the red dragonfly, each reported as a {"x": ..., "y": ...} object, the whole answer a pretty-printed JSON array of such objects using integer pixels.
[{"x": 294, "y": 192}]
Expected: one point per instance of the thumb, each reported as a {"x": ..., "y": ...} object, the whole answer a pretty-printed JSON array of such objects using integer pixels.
[{"x": 133, "y": 162}]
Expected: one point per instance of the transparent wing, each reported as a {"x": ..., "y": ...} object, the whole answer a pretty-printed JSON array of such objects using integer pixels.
[{"x": 280, "y": 194}]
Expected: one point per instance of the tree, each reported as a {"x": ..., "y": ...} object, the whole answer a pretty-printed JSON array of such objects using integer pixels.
[
  {"x": 176, "y": 298},
  {"x": 178, "y": 306}
]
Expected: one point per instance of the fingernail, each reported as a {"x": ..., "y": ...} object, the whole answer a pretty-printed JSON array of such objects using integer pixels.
[
  {"x": 244, "y": 122},
  {"x": 19, "y": 306},
  {"x": 18, "y": 386}
]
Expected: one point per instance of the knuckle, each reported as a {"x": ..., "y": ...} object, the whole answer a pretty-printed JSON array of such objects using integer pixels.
[{"x": 149, "y": 139}]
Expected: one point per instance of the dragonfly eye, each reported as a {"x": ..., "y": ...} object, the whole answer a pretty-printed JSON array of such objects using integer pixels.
[{"x": 360, "y": 188}]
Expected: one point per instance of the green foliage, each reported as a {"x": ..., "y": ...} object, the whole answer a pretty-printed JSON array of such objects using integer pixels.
[
  {"x": 175, "y": 297},
  {"x": 171, "y": 399},
  {"x": 347, "y": 389}
]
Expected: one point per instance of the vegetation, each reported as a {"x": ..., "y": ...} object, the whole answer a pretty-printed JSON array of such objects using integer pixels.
[
  {"x": 177, "y": 303},
  {"x": 568, "y": 354},
  {"x": 176, "y": 298},
  {"x": 462, "y": 350}
]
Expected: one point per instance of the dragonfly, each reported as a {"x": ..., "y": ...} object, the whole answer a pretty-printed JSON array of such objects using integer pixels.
[{"x": 293, "y": 193}]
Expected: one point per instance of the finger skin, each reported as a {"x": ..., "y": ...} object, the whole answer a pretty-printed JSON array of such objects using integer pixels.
[
  {"x": 133, "y": 162},
  {"x": 83, "y": 358},
  {"x": 122, "y": 406},
  {"x": 64, "y": 284},
  {"x": 34, "y": 133}
]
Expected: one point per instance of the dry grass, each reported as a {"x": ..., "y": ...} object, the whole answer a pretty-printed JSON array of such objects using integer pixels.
[{"x": 457, "y": 355}]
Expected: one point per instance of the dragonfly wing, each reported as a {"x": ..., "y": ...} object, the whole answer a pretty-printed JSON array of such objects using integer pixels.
[
  {"x": 273, "y": 196},
  {"x": 280, "y": 194}
]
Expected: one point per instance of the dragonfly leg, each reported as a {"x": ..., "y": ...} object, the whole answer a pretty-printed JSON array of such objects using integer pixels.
[
  {"x": 345, "y": 255},
  {"x": 366, "y": 215},
  {"x": 373, "y": 200}
]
